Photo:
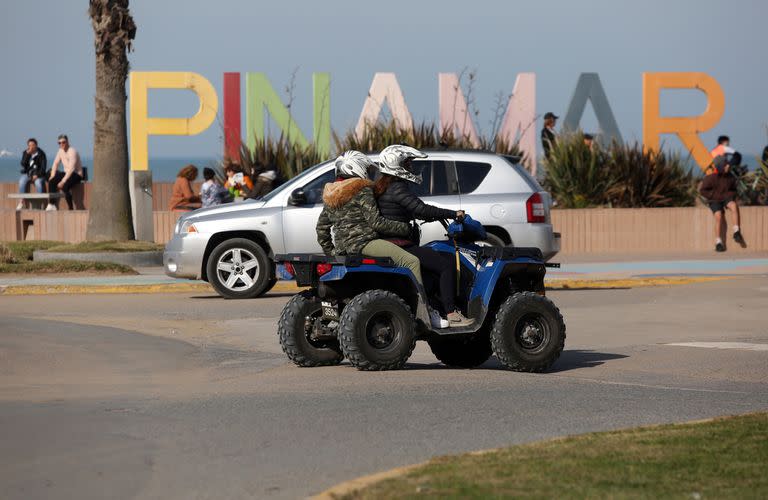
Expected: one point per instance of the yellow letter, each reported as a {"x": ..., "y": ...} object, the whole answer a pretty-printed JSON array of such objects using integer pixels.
[
  {"x": 686, "y": 128},
  {"x": 142, "y": 126}
]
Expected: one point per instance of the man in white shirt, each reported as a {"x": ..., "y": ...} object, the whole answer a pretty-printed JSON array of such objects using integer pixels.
[{"x": 72, "y": 174}]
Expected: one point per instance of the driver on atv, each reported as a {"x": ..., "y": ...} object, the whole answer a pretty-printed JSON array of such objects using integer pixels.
[
  {"x": 350, "y": 209},
  {"x": 398, "y": 203}
]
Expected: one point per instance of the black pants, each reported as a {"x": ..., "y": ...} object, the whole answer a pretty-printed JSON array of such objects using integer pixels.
[
  {"x": 53, "y": 186},
  {"x": 434, "y": 263}
]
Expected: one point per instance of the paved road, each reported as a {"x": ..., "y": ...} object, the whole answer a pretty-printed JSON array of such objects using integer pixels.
[{"x": 179, "y": 396}]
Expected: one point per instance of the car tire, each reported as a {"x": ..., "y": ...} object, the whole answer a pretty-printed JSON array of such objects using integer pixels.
[
  {"x": 492, "y": 240},
  {"x": 528, "y": 333},
  {"x": 462, "y": 351},
  {"x": 238, "y": 268},
  {"x": 293, "y": 335},
  {"x": 376, "y": 331}
]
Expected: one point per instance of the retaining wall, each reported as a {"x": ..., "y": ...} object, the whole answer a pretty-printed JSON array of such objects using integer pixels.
[{"x": 610, "y": 230}]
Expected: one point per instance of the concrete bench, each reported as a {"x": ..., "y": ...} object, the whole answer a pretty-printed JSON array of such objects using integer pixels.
[
  {"x": 37, "y": 200},
  {"x": 40, "y": 200}
]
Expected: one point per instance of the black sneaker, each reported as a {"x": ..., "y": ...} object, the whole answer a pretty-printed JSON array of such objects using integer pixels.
[
  {"x": 738, "y": 238},
  {"x": 719, "y": 247}
]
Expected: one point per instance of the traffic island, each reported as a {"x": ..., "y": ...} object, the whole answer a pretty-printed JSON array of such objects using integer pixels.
[
  {"x": 719, "y": 458},
  {"x": 128, "y": 253}
]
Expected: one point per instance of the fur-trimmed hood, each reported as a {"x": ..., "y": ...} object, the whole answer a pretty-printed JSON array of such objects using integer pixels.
[{"x": 337, "y": 194}]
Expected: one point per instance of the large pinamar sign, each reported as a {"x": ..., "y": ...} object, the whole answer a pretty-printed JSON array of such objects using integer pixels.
[{"x": 518, "y": 123}]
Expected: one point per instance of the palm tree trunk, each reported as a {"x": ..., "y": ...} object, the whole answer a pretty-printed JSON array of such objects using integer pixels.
[{"x": 109, "y": 216}]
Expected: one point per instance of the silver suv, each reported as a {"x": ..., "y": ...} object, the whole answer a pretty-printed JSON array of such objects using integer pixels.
[{"x": 231, "y": 246}]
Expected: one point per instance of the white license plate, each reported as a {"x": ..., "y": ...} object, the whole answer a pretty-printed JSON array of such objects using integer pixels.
[{"x": 330, "y": 311}]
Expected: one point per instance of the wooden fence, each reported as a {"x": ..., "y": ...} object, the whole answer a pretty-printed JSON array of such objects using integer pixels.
[
  {"x": 161, "y": 195},
  {"x": 653, "y": 230},
  {"x": 602, "y": 231}
]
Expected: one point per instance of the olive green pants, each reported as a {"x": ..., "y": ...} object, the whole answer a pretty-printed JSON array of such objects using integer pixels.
[{"x": 384, "y": 248}]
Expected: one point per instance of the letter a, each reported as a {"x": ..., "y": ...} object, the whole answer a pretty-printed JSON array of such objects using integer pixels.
[
  {"x": 384, "y": 87},
  {"x": 590, "y": 89}
]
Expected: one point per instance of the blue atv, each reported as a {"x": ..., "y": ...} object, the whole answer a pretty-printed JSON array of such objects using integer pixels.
[{"x": 371, "y": 312}]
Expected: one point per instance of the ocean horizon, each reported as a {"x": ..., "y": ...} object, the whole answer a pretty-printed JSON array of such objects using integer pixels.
[{"x": 164, "y": 169}]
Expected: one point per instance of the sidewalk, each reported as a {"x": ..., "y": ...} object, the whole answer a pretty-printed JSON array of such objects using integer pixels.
[{"x": 576, "y": 271}]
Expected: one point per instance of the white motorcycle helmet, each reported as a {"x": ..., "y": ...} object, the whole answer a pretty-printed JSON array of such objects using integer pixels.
[
  {"x": 396, "y": 160},
  {"x": 353, "y": 164}
]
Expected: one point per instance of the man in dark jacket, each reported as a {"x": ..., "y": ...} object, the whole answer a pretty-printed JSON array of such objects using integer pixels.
[
  {"x": 33, "y": 165},
  {"x": 398, "y": 203},
  {"x": 548, "y": 138},
  {"x": 719, "y": 189}
]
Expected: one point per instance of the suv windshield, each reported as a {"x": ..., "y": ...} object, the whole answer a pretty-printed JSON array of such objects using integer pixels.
[{"x": 291, "y": 182}]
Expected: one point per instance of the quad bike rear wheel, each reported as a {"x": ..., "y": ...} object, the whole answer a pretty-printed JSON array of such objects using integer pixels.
[
  {"x": 376, "y": 331},
  {"x": 295, "y": 329},
  {"x": 528, "y": 334}
]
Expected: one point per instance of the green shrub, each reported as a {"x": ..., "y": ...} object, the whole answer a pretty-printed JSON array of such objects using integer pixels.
[
  {"x": 576, "y": 176},
  {"x": 289, "y": 159},
  {"x": 618, "y": 175},
  {"x": 646, "y": 178}
]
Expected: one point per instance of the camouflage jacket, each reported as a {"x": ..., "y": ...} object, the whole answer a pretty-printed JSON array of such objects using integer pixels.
[{"x": 350, "y": 208}]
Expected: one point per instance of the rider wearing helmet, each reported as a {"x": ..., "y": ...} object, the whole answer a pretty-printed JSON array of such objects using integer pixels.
[
  {"x": 350, "y": 209},
  {"x": 397, "y": 202}
]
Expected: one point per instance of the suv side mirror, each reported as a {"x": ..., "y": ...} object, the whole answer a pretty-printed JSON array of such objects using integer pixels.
[{"x": 298, "y": 197}]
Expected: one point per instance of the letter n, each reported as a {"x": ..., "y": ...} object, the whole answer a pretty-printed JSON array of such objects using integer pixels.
[{"x": 520, "y": 118}]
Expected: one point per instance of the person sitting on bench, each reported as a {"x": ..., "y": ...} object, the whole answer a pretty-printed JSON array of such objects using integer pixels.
[{"x": 72, "y": 174}]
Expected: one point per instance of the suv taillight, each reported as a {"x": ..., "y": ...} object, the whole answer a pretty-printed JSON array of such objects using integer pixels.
[{"x": 534, "y": 208}]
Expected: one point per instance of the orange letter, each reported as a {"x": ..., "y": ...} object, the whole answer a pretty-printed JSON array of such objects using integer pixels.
[{"x": 686, "y": 128}]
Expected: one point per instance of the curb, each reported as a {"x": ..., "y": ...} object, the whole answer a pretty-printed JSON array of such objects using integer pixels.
[
  {"x": 125, "y": 289},
  {"x": 348, "y": 487},
  {"x": 291, "y": 287},
  {"x": 132, "y": 259}
]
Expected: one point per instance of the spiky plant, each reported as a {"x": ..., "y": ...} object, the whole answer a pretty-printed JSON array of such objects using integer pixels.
[
  {"x": 646, "y": 178},
  {"x": 424, "y": 135},
  {"x": 289, "y": 159},
  {"x": 576, "y": 175}
]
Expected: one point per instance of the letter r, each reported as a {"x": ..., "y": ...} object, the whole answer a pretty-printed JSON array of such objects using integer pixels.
[{"x": 687, "y": 128}]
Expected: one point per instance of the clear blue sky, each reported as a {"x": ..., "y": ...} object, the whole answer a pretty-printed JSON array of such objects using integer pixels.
[{"x": 46, "y": 52}]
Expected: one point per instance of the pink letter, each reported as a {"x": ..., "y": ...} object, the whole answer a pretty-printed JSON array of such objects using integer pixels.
[
  {"x": 454, "y": 116},
  {"x": 384, "y": 87},
  {"x": 520, "y": 118}
]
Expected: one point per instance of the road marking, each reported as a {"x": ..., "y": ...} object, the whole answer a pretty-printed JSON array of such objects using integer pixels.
[{"x": 744, "y": 346}]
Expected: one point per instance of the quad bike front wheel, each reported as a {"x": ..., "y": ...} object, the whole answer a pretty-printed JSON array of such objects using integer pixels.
[
  {"x": 462, "y": 351},
  {"x": 296, "y": 327},
  {"x": 376, "y": 331},
  {"x": 528, "y": 334}
]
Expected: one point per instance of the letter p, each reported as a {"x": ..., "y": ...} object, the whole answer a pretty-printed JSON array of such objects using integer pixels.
[{"x": 142, "y": 126}]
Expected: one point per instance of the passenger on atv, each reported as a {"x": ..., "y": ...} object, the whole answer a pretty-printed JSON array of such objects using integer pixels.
[
  {"x": 397, "y": 202},
  {"x": 350, "y": 209}
]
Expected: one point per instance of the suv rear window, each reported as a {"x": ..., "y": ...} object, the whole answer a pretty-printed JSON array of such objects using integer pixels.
[
  {"x": 434, "y": 180},
  {"x": 471, "y": 174}
]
